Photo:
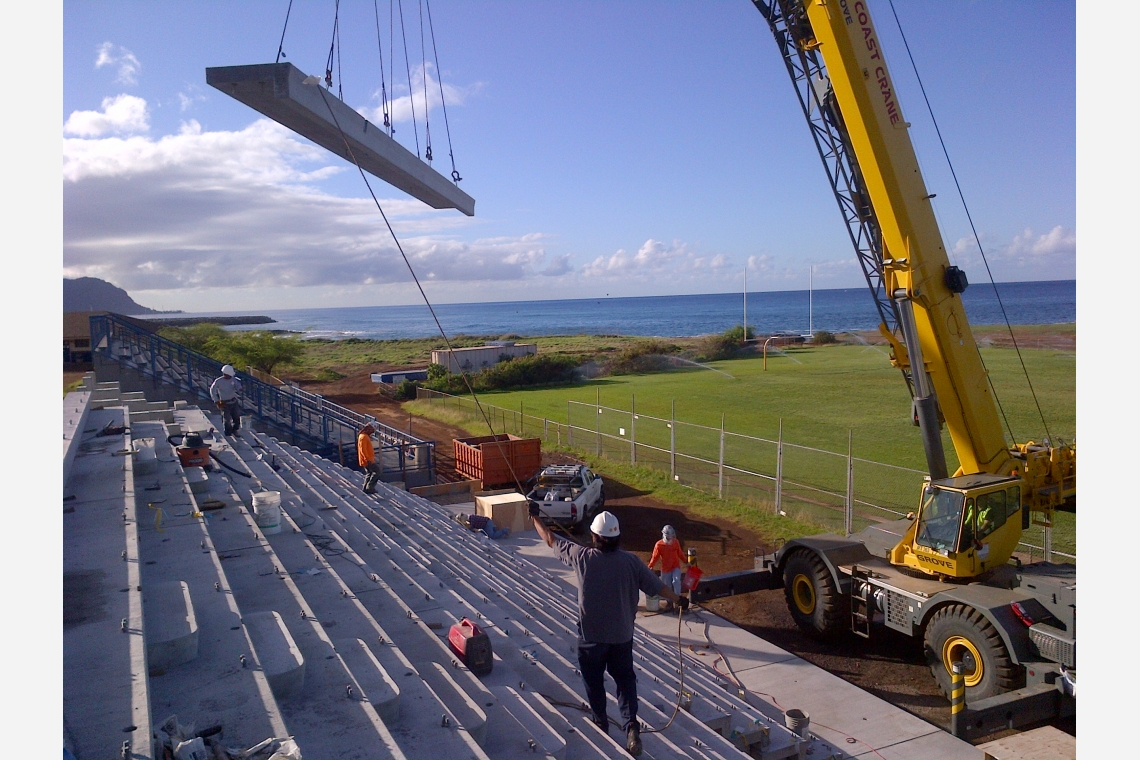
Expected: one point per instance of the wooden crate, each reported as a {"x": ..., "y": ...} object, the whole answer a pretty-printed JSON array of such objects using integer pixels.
[{"x": 485, "y": 458}]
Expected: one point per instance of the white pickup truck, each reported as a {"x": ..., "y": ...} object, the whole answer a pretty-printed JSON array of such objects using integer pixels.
[{"x": 569, "y": 495}]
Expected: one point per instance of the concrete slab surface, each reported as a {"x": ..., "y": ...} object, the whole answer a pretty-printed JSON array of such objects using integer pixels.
[
  {"x": 277, "y": 90},
  {"x": 105, "y": 692},
  {"x": 1045, "y": 743}
]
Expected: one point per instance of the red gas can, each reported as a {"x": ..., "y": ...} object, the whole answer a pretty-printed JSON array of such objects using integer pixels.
[
  {"x": 472, "y": 646},
  {"x": 691, "y": 578}
]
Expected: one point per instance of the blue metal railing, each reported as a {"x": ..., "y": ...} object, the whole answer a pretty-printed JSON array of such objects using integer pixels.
[{"x": 325, "y": 428}]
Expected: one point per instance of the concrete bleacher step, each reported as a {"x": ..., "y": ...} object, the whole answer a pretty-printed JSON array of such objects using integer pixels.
[
  {"x": 419, "y": 600},
  {"x": 739, "y": 730},
  {"x": 106, "y": 699},
  {"x": 171, "y": 625},
  {"x": 527, "y": 624},
  {"x": 326, "y": 600},
  {"x": 459, "y": 692},
  {"x": 542, "y": 735},
  {"x": 211, "y": 689},
  {"x": 466, "y": 713},
  {"x": 377, "y": 683},
  {"x": 277, "y": 653},
  {"x": 260, "y": 585}
]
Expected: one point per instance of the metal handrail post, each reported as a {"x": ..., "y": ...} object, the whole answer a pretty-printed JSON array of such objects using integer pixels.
[
  {"x": 673, "y": 439},
  {"x": 849, "y": 512},
  {"x": 720, "y": 468},
  {"x": 632, "y": 430},
  {"x": 780, "y": 468}
]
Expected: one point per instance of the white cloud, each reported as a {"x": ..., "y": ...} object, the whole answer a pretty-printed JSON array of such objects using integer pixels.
[
  {"x": 400, "y": 108},
  {"x": 122, "y": 114},
  {"x": 189, "y": 97},
  {"x": 1029, "y": 255},
  {"x": 243, "y": 210},
  {"x": 655, "y": 258},
  {"x": 558, "y": 266},
  {"x": 109, "y": 54}
]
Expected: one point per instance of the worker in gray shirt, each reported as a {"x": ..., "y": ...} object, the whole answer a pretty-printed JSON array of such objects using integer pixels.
[
  {"x": 225, "y": 392},
  {"x": 608, "y": 581}
]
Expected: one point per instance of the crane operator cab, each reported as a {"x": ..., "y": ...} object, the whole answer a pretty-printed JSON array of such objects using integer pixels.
[{"x": 966, "y": 525}]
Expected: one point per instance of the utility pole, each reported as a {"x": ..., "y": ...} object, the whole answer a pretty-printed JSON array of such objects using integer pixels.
[{"x": 746, "y": 304}]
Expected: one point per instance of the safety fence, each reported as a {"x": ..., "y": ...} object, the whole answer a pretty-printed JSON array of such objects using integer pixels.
[
  {"x": 319, "y": 425},
  {"x": 837, "y": 490}
]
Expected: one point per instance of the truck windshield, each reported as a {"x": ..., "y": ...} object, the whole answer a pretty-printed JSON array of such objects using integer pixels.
[{"x": 940, "y": 519}]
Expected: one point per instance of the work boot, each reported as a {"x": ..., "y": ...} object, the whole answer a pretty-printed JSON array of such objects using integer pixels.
[{"x": 633, "y": 740}]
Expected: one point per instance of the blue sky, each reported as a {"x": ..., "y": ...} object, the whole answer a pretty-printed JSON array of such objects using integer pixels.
[{"x": 625, "y": 148}]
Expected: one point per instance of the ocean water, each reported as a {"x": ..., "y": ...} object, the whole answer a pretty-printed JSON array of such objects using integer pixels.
[{"x": 665, "y": 316}]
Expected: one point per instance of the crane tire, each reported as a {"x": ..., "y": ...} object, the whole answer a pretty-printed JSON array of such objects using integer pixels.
[
  {"x": 816, "y": 603},
  {"x": 958, "y": 631}
]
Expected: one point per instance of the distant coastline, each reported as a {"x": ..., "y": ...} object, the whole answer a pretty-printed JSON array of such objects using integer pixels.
[
  {"x": 190, "y": 321},
  {"x": 770, "y": 312}
]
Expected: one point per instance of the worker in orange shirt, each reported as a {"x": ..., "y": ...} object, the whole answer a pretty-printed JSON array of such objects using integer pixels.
[
  {"x": 366, "y": 456},
  {"x": 672, "y": 557}
]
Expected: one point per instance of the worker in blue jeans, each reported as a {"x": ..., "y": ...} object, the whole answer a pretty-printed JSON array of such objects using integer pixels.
[
  {"x": 609, "y": 580},
  {"x": 483, "y": 523}
]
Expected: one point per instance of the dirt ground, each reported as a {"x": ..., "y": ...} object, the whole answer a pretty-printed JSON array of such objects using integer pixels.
[{"x": 890, "y": 666}]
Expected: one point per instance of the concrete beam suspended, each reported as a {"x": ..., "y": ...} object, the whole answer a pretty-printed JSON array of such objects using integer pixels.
[{"x": 278, "y": 91}]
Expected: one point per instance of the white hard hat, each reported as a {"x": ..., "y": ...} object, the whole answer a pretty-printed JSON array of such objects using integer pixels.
[
  {"x": 668, "y": 531},
  {"x": 229, "y": 370},
  {"x": 605, "y": 525}
]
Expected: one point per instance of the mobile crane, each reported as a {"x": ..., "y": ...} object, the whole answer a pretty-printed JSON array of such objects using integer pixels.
[{"x": 944, "y": 573}]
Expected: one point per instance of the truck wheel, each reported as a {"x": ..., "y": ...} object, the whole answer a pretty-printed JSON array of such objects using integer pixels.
[
  {"x": 815, "y": 602},
  {"x": 959, "y": 632}
]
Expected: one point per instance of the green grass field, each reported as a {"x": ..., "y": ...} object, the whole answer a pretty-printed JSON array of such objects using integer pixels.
[
  {"x": 819, "y": 394},
  {"x": 341, "y": 356}
]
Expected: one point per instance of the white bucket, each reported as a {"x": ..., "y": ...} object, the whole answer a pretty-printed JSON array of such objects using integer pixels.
[
  {"x": 652, "y": 603},
  {"x": 797, "y": 721},
  {"x": 267, "y": 511}
]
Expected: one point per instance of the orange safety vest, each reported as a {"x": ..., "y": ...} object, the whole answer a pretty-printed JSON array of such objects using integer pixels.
[
  {"x": 365, "y": 454},
  {"x": 669, "y": 553}
]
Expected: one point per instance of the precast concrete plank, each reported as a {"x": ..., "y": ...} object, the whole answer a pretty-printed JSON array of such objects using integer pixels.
[
  {"x": 278, "y": 91},
  {"x": 934, "y": 746},
  {"x": 212, "y": 689},
  {"x": 105, "y": 698},
  {"x": 845, "y": 709}
]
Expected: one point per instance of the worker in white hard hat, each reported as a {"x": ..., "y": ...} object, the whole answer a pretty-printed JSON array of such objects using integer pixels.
[
  {"x": 224, "y": 393},
  {"x": 609, "y": 580},
  {"x": 669, "y": 552}
]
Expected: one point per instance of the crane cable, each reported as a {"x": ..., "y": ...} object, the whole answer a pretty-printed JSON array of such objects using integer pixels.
[
  {"x": 977, "y": 240},
  {"x": 411, "y": 100},
  {"x": 435, "y": 317},
  {"x": 281, "y": 45},
  {"x": 383, "y": 82},
  {"x": 423, "y": 70},
  {"x": 442, "y": 101},
  {"x": 332, "y": 49}
]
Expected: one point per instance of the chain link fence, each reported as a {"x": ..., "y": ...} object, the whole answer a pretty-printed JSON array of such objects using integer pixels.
[{"x": 836, "y": 490}]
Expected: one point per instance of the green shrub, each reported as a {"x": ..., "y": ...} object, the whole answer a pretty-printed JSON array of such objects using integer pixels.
[
  {"x": 523, "y": 372},
  {"x": 406, "y": 391},
  {"x": 822, "y": 337},
  {"x": 738, "y": 334},
  {"x": 436, "y": 371},
  {"x": 641, "y": 357},
  {"x": 260, "y": 349}
]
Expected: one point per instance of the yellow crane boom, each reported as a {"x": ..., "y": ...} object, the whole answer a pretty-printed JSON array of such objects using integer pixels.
[{"x": 839, "y": 53}]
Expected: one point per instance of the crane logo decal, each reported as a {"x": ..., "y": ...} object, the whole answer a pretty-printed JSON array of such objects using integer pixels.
[{"x": 872, "y": 44}]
